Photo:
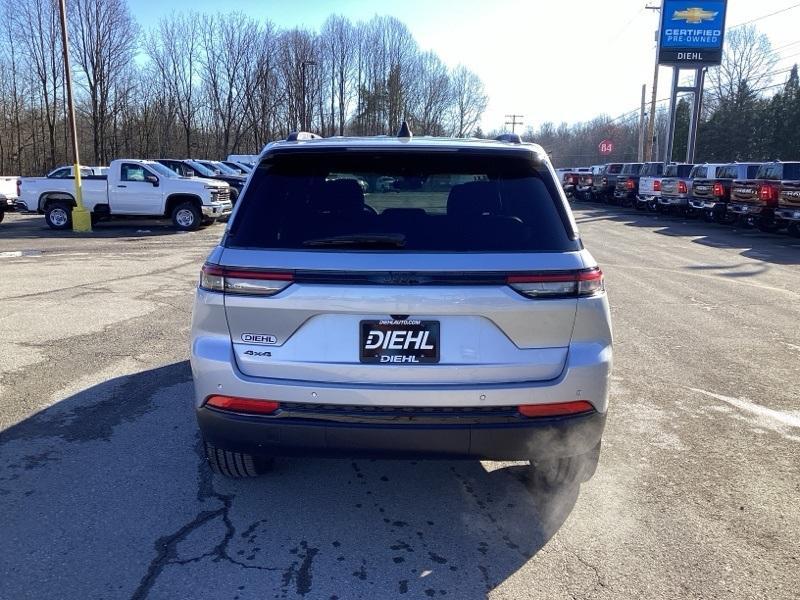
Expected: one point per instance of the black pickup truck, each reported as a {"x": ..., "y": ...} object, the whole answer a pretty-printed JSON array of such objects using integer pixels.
[
  {"x": 604, "y": 182},
  {"x": 627, "y": 185},
  {"x": 756, "y": 201},
  {"x": 711, "y": 195}
]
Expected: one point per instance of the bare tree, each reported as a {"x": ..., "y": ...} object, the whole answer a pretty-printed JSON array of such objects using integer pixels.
[
  {"x": 174, "y": 49},
  {"x": 469, "y": 101},
  {"x": 103, "y": 41},
  {"x": 748, "y": 60}
]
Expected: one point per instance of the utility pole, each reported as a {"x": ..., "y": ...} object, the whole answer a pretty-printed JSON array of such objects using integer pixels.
[
  {"x": 651, "y": 123},
  {"x": 81, "y": 220},
  {"x": 641, "y": 125},
  {"x": 513, "y": 122}
]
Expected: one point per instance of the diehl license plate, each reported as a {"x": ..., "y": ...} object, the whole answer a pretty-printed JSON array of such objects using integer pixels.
[{"x": 406, "y": 341}]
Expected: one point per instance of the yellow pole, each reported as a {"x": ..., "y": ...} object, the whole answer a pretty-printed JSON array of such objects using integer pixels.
[{"x": 81, "y": 219}]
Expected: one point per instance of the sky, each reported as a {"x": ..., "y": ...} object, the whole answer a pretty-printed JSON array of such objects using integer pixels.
[{"x": 567, "y": 60}]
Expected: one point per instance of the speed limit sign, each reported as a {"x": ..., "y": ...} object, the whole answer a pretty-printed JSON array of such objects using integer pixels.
[{"x": 606, "y": 147}]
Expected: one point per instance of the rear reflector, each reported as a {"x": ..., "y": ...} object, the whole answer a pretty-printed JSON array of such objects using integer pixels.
[
  {"x": 249, "y": 282},
  {"x": 657, "y": 185},
  {"x": 558, "y": 285},
  {"x": 682, "y": 187},
  {"x": 243, "y": 405},
  {"x": 719, "y": 190},
  {"x": 557, "y": 409},
  {"x": 630, "y": 184}
]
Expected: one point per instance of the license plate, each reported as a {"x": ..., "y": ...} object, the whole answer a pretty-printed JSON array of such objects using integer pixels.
[{"x": 391, "y": 341}]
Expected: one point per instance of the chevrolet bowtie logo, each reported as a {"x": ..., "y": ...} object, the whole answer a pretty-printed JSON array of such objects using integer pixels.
[{"x": 693, "y": 15}]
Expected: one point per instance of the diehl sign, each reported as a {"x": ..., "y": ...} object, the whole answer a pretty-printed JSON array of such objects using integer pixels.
[{"x": 692, "y": 32}]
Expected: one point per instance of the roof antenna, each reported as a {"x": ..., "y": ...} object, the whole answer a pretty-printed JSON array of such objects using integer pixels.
[{"x": 404, "y": 131}]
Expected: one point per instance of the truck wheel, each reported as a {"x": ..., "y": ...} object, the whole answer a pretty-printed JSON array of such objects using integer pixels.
[
  {"x": 236, "y": 465},
  {"x": 2, "y": 215},
  {"x": 58, "y": 215},
  {"x": 186, "y": 217},
  {"x": 552, "y": 473},
  {"x": 768, "y": 225}
]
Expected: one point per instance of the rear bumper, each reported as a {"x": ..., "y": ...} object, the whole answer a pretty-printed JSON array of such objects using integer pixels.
[
  {"x": 416, "y": 433},
  {"x": 788, "y": 214},
  {"x": 746, "y": 209},
  {"x": 624, "y": 194},
  {"x": 673, "y": 200}
]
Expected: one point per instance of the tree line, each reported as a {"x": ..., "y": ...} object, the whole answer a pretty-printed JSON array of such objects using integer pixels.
[
  {"x": 206, "y": 85},
  {"x": 751, "y": 111}
]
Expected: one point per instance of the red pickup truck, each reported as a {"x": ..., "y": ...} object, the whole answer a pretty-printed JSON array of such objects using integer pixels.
[{"x": 756, "y": 200}]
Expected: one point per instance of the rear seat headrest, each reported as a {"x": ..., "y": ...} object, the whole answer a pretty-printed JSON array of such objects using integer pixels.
[
  {"x": 339, "y": 195},
  {"x": 474, "y": 199}
]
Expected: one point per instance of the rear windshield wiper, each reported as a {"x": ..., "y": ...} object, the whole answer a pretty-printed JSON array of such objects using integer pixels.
[{"x": 387, "y": 240}]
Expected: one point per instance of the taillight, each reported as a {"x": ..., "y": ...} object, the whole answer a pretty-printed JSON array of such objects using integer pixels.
[
  {"x": 630, "y": 184},
  {"x": 589, "y": 181},
  {"x": 657, "y": 185},
  {"x": 558, "y": 285},
  {"x": 682, "y": 188},
  {"x": 556, "y": 409},
  {"x": 243, "y": 405},
  {"x": 249, "y": 282},
  {"x": 767, "y": 193},
  {"x": 719, "y": 190}
]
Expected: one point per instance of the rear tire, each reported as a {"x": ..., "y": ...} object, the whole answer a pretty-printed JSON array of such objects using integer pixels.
[
  {"x": 186, "y": 217},
  {"x": 2, "y": 215},
  {"x": 552, "y": 473},
  {"x": 58, "y": 215},
  {"x": 768, "y": 225},
  {"x": 236, "y": 465}
]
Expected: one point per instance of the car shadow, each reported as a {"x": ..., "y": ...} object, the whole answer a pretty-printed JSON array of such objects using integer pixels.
[
  {"x": 30, "y": 226},
  {"x": 776, "y": 248},
  {"x": 106, "y": 495}
]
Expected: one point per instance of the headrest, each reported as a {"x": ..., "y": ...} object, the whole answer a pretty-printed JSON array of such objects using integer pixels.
[
  {"x": 474, "y": 199},
  {"x": 338, "y": 196}
]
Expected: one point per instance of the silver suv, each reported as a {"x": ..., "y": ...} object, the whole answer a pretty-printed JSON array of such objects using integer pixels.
[{"x": 402, "y": 297}]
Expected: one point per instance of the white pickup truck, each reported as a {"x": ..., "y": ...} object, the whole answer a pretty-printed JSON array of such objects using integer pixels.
[
  {"x": 132, "y": 188},
  {"x": 8, "y": 194}
]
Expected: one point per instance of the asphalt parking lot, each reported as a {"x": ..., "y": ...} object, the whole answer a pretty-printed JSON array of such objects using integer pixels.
[{"x": 103, "y": 493}]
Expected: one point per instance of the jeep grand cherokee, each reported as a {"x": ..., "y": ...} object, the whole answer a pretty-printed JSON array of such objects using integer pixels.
[{"x": 459, "y": 316}]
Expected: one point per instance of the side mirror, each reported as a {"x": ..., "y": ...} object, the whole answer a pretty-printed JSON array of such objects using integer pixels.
[{"x": 150, "y": 178}]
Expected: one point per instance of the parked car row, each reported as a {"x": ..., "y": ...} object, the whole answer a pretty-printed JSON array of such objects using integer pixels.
[
  {"x": 191, "y": 192},
  {"x": 760, "y": 194}
]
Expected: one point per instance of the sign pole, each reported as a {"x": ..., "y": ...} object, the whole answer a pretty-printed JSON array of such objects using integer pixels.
[
  {"x": 673, "y": 104},
  {"x": 697, "y": 105}
]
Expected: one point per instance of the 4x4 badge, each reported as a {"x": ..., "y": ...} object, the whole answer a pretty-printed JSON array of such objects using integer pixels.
[{"x": 259, "y": 338}]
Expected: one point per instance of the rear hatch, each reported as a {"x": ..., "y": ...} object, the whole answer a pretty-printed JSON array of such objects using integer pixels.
[{"x": 464, "y": 271}]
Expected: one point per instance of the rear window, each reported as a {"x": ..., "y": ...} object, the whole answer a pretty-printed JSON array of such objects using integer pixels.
[
  {"x": 614, "y": 168},
  {"x": 678, "y": 170},
  {"x": 652, "y": 169},
  {"x": 728, "y": 172},
  {"x": 699, "y": 172},
  {"x": 401, "y": 201},
  {"x": 791, "y": 171},
  {"x": 752, "y": 171},
  {"x": 772, "y": 171},
  {"x": 632, "y": 169}
]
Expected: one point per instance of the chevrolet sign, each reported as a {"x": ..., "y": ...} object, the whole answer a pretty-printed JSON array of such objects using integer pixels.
[{"x": 692, "y": 32}]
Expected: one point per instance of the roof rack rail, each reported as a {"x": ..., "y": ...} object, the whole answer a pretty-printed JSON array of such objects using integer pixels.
[
  {"x": 404, "y": 131},
  {"x": 299, "y": 136},
  {"x": 514, "y": 138}
]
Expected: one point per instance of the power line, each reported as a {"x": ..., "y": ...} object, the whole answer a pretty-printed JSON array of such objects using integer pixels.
[{"x": 772, "y": 14}]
